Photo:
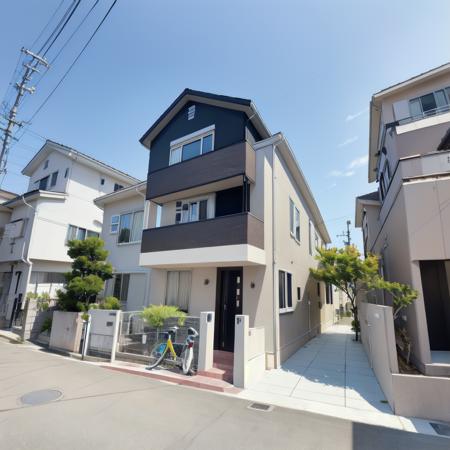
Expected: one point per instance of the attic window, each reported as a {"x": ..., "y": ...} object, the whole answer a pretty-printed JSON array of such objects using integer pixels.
[
  {"x": 191, "y": 112},
  {"x": 46, "y": 164}
]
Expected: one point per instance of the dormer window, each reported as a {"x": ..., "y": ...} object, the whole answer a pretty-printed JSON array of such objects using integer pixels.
[{"x": 192, "y": 145}]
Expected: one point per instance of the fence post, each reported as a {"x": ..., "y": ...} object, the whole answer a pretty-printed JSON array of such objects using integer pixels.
[
  {"x": 206, "y": 341},
  {"x": 240, "y": 351},
  {"x": 115, "y": 335},
  {"x": 86, "y": 337}
]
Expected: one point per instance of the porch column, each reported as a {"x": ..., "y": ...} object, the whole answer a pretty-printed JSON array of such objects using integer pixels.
[
  {"x": 240, "y": 351},
  {"x": 206, "y": 342}
]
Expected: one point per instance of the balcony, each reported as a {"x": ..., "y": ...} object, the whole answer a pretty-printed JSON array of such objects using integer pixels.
[
  {"x": 236, "y": 239},
  {"x": 219, "y": 168}
]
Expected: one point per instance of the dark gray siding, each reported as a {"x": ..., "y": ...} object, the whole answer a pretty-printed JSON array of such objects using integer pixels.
[{"x": 230, "y": 129}]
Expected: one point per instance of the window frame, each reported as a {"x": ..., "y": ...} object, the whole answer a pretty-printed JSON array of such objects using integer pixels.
[
  {"x": 54, "y": 179},
  {"x": 294, "y": 220},
  {"x": 178, "y": 144},
  {"x": 132, "y": 213},
  {"x": 121, "y": 276},
  {"x": 433, "y": 111},
  {"x": 114, "y": 223},
  {"x": 77, "y": 228},
  {"x": 287, "y": 292}
]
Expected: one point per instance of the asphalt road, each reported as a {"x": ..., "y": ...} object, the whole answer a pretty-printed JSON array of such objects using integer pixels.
[{"x": 102, "y": 409}]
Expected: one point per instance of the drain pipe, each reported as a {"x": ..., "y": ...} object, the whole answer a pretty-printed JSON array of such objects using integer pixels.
[{"x": 27, "y": 260}]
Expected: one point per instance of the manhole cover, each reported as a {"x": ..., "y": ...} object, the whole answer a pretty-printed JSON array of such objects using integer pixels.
[
  {"x": 260, "y": 407},
  {"x": 40, "y": 397},
  {"x": 441, "y": 428}
]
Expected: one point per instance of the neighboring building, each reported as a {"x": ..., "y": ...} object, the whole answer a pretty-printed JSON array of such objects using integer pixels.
[
  {"x": 231, "y": 224},
  {"x": 123, "y": 215},
  {"x": 406, "y": 221},
  {"x": 58, "y": 206}
]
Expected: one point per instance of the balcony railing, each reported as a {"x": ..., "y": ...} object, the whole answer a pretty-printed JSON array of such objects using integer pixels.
[
  {"x": 220, "y": 164},
  {"x": 425, "y": 114},
  {"x": 234, "y": 229}
]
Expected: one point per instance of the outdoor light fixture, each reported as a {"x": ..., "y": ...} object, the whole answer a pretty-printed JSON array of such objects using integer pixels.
[
  {"x": 206, "y": 281},
  {"x": 252, "y": 285}
]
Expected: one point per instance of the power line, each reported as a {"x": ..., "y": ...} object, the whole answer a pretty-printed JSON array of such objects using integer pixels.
[{"x": 74, "y": 62}]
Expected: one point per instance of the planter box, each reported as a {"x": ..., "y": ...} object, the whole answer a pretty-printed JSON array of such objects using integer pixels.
[{"x": 66, "y": 331}]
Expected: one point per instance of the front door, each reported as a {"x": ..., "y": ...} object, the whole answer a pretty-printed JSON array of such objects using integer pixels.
[
  {"x": 437, "y": 303},
  {"x": 228, "y": 304}
]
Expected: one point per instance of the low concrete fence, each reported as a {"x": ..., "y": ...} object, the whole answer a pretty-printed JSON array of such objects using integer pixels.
[
  {"x": 249, "y": 353},
  {"x": 66, "y": 331},
  {"x": 421, "y": 396},
  {"x": 103, "y": 331}
]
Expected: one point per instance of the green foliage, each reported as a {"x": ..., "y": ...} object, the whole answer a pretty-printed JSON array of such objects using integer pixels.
[
  {"x": 42, "y": 300},
  {"x": 345, "y": 269},
  {"x": 47, "y": 325},
  {"x": 402, "y": 294},
  {"x": 89, "y": 272},
  {"x": 110, "y": 303},
  {"x": 155, "y": 315}
]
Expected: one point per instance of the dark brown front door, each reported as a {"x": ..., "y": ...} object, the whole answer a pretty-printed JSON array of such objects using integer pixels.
[
  {"x": 437, "y": 303},
  {"x": 228, "y": 304}
]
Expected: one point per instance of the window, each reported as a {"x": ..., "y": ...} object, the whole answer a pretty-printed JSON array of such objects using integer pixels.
[
  {"x": 46, "y": 164},
  {"x": 294, "y": 220},
  {"x": 178, "y": 289},
  {"x": 329, "y": 294},
  {"x": 191, "y": 211},
  {"x": 310, "y": 237},
  {"x": 316, "y": 241},
  {"x": 54, "y": 179},
  {"x": 121, "y": 284},
  {"x": 318, "y": 289},
  {"x": 430, "y": 104},
  {"x": 79, "y": 233},
  {"x": 42, "y": 183},
  {"x": 102, "y": 181},
  {"x": 114, "y": 229},
  {"x": 66, "y": 173},
  {"x": 299, "y": 294},
  {"x": 285, "y": 291},
  {"x": 130, "y": 227},
  {"x": 117, "y": 187},
  {"x": 191, "y": 146}
]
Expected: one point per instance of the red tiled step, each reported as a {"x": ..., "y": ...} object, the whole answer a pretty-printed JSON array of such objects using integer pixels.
[
  {"x": 222, "y": 357},
  {"x": 218, "y": 374},
  {"x": 197, "y": 381}
]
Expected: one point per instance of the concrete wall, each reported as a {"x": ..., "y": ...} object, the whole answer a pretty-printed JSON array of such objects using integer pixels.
[
  {"x": 102, "y": 331},
  {"x": 66, "y": 331},
  {"x": 420, "y": 396}
]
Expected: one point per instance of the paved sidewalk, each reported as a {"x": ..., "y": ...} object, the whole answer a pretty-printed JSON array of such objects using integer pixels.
[{"x": 331, "y": 375}]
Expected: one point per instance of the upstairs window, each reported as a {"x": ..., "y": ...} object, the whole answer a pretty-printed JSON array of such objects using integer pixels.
[
  {"x": 43, "y": 183},
  {"x": 430, "y": 104},
  {"x": 115, "y": 224},
  {"x": 191, "y": 211},
  {"x": 130, "y": 227},
  {"x": 117, "y": 187},
  {"x": 54, "y": 179},
  {"x": 193, "y": 145},
  {"x": 46, "y": 164},
  {"x": 79, "y": 233},
  {"x": 294, "y": 220}
]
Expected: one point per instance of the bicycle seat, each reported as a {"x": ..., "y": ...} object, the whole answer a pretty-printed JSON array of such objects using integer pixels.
[{"x": 192, "y": 332}]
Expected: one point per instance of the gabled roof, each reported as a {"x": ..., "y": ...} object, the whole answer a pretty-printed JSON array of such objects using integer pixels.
[
  {"x": 32, "y": 195},
  {"x": 51, "y": 146},
  {"x": 224, "y": 101},
  {"x": 372, "y": 199},
  {"x": 288, "y": 156},
  {"x": 121, "y": 194}
]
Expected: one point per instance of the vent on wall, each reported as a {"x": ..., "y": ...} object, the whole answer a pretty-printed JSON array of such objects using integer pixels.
[{"x": 191, "y": 112}]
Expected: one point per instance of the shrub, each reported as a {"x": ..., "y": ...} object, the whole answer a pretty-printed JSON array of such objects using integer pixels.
[
  {"x": 47, "y": 325},
  {"x": 156, "y": 315},
  {"x": 110, "y": 303}
]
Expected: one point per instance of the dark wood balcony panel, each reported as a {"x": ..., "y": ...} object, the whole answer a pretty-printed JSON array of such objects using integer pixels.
[
  {"x": 235, "y": 229},
  {"x": 237, "y": 159}
]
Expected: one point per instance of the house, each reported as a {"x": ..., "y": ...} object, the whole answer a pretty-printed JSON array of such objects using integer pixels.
[
  {"x": 406, "y": 220},
  {"x": 58, "y": 206},
  {"x": 123, "y": 216},
  {"x": 231, "y": 224}
]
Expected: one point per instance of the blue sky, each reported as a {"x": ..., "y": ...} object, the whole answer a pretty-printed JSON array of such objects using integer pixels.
[{"x": 310, "y": 67}]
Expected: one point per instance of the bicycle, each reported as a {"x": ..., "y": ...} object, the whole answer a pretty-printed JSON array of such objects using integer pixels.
[{"x": 178, "y": 354}]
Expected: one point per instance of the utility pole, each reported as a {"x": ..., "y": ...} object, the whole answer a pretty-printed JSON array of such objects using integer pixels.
[
  {"x": 22, "y": 88},
  {"x": 346, "y": 234}
]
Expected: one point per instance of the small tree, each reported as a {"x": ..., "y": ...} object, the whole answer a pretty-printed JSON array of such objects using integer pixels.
[
  {"x": 89, "y": 273},
  {"x": 345, "y": 269}
]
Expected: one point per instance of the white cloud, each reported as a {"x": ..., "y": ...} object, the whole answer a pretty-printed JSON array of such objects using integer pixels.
[
  {"x": 350, "y": 169},
  {"x": 342, "y": 173},
  {"x": 348, "y": 141},
  {"x": 358, "y": 162},
  {"x": 351, "y": 117}
]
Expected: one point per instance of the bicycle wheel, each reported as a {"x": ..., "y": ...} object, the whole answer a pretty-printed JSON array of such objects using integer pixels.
[
  {"x": 187, "y": 357},
  {"x": 157, "y": 354}
]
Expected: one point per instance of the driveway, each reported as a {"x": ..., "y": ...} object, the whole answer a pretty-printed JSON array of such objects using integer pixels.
[
  {"x": 102, "y": 409},
  {"x": 330, "y": 375}
]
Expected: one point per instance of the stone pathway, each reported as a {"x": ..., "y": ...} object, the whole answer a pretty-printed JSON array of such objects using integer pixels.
[{"x": 329, "y": 375}]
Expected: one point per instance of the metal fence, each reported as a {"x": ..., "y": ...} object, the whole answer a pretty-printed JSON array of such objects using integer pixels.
[{"x": 136, "y": 337}]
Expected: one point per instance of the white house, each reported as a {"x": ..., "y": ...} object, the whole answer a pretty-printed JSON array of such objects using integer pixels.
[
  {"x": 59, "y": 205},
  {"x": 123, "y": 217}
]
